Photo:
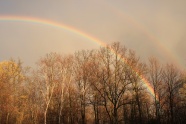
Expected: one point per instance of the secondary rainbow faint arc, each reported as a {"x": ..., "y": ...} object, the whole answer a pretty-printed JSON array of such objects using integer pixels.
[
  {"x": 71, "y": 29},
  {"x": 155, "y": 40}
]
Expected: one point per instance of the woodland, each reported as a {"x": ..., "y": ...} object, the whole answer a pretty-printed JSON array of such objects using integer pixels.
[{"x": 108, "y": 85}]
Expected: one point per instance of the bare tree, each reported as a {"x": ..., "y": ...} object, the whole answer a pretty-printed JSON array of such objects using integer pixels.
[
  {"x": 48, "y": 76},
  {"x": 111, "y": 82},
  {"x": 136, "y": 70},
  {"x": 156, "y": 79},
  {"x": 34, "y": 99},
  {"x": 66, "y": 75},
  {"x": 81, "y": 69},
  {"x": 172, "y": 82}
]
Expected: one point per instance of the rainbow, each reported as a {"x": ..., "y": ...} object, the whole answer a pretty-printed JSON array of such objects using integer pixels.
[
  {"x": 159, "y": 45},
  {"x": 74, "y": 30}
]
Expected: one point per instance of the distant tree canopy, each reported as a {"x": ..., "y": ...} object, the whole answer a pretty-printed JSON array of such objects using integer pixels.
[{"x": 92, "y": 86}]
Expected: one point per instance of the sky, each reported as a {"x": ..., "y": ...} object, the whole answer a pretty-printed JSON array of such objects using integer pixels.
[{"x": 151, "y": 28}]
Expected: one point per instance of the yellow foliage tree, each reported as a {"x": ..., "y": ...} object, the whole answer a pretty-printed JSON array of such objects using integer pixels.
[{"x": 11, "y": 78}]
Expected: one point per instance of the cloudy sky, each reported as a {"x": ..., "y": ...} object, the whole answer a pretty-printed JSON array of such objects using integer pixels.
[{"x": 151, "y": 28}]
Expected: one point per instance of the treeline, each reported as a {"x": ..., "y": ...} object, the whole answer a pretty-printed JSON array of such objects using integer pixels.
[{"x": 103, "y": 86}]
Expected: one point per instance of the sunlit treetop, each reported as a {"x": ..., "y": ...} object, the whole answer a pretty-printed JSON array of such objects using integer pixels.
[{"x": 10, "y": 69}]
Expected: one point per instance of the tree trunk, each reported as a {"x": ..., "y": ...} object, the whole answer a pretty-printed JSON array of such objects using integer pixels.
[
  {"x": 139, "y": 110},
  {"x": 115, "y": 120},
  {"x": 96, "y": 118},
  {"x": 7, "y": 118},
  {"x": 45, "y": 113},
  {"x": 60, "y": 112},
  {"x": 171, "y": 111}
]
